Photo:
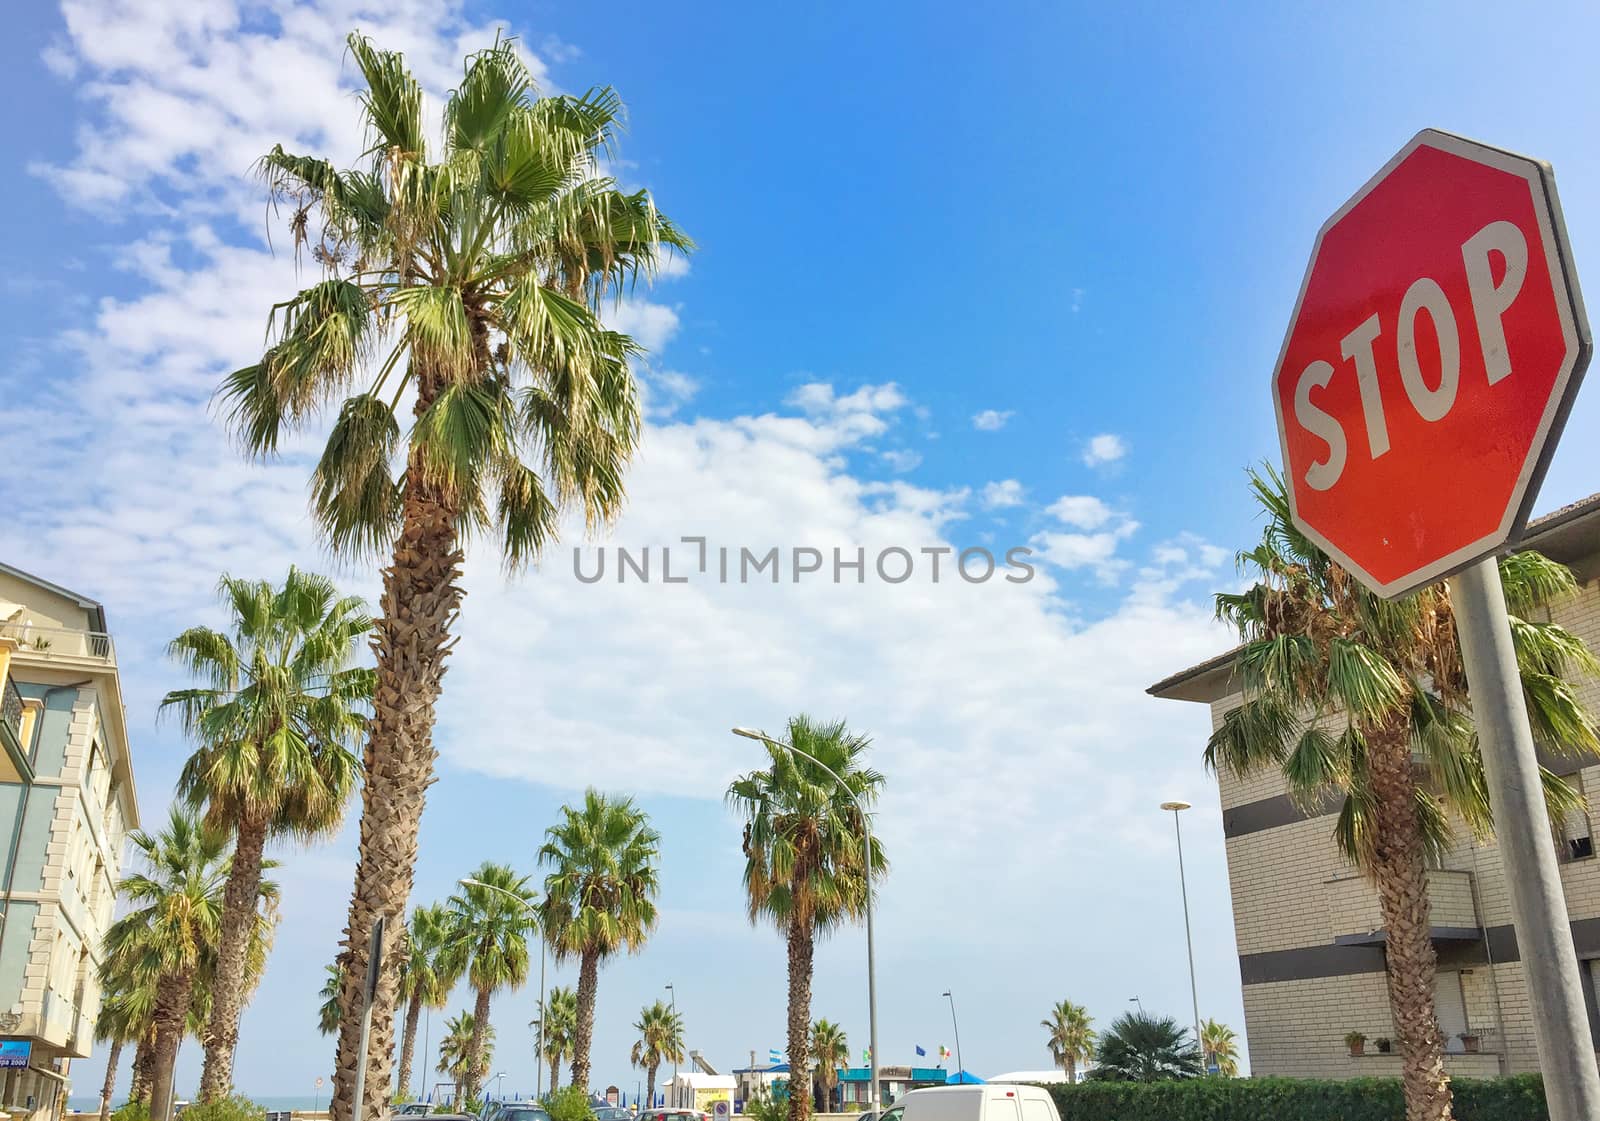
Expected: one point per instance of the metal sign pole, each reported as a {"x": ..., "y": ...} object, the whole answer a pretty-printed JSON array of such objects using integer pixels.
[
  {"x": 369, "y": 990},
  {"x": 1522, "y": 827}
]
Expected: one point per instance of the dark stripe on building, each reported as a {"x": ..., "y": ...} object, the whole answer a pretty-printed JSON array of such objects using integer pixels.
[{"x": 1311, "y": 963}]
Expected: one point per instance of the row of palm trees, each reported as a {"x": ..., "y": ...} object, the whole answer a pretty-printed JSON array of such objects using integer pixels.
[
  {"x": 275, "y": 710},
  {"x": 1137, "y": 1047}
]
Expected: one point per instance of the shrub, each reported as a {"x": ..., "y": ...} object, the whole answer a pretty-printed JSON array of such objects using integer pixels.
[
  {"x": 1517, "y": 1098},
  {"x": 570, "y": 1103},
  {"x": 235, "y": 1108},
  {"x": 763, "y": 1106},
  {"x": 133, "y": 1111}
]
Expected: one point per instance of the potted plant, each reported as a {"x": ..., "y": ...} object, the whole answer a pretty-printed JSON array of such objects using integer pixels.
[
  {"x": 1357, "y": 1042},
  {"x": 1384, "y": 1046},
  {"x": 1471, "y": 1042}
]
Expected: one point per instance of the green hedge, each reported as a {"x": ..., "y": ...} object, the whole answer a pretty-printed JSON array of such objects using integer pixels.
[{"x": 1518, "y": 1098}]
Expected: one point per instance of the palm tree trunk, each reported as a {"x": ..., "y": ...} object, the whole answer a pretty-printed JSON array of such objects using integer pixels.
[
  {"x": 1072, "y": 1070},
  {"x": 143, "y": 1067},
  {"x": 1399, "y": 869},
  {"x": 240, "y": 900},
  {"x": 408, "y": 1044},
  {"x": 480, "y": 1028},
  {"x": 110, "y": 1084},
  {"x": 555, "y": 1072},
  {"x": 421, "y": 598},
  {"x": 650, "y": 1083},
  {"x": 588, "y": 981},
  {"x": 173, "y": 996},
  {"x": 801, "y": 946}
]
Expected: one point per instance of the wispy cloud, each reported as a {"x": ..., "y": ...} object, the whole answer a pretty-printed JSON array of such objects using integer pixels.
[
  {"x": 991, "y": 420},
  {"x": 1002, "y": 494}
]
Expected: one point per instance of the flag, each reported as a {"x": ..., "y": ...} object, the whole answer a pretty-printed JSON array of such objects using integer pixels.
[
  {"x": 775, "y": 1055},
  {"x": 944, "y": 1052},
  {"x": 920, "y": 1051},
  {"x": 866, "y": 1054}
]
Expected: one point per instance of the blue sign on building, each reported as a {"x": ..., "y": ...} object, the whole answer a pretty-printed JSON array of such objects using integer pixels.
[{"x": 15, "y": 1052}]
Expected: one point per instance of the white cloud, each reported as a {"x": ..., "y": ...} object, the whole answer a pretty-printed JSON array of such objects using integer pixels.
[
  {"x": 998, "y": 495},
  {"x": 991, "y": 420},
  {"x": 1082, "y": 511},
  {"x": 902, "y": 459},
  {"x": 652, "y": 325},
  {"x": 1104, "y": 448}
]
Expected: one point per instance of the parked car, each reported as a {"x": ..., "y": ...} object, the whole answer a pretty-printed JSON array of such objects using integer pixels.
[
  {"x": 674, "y": 1115},
  {"x": 411, "y": 1109},
  {"x": 612, "y": 1113},
  {"x": 994, "y": 1101},
  {"x": 516, "y": 1111}
]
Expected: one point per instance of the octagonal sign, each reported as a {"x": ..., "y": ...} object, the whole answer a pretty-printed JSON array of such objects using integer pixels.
[{"x": 1432, "y": 358}]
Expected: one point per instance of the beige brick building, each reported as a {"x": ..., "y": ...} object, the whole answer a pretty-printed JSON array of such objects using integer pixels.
[{"x": 1308, "y": 926}]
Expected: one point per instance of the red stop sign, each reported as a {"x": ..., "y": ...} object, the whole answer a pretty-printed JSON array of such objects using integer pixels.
[{"x": 1432, "y": 358}]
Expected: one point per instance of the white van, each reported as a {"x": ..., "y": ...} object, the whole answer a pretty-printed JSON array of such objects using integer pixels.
[{"x": 994, "y": 1101}]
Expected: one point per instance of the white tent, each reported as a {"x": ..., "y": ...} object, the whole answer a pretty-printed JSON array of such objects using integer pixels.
[{"x": 1045, "y": 1076}]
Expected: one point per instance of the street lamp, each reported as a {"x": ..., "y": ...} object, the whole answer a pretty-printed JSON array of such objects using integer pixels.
[
  {"x": 866, "y": 828},
  {"x": 960, "y": 1066},
  {"x": 1140, "y": 1003},
  {"x": 538, "y": 1065},
  {"x": 1183, "y": 882},
  {"x": 674, "y": 999},
  {"x": 499, "y": 1086}
]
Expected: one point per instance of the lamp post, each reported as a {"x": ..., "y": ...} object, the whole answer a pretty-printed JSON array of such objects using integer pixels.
[
  {"x": 1140, "y": 1003},
  {"x": 674, "y": 999},
  {"x": 499, "y": 1086},
  {"x": 866, "y": 827},
  {"x": 538, "y": 1065},
  {"x": 1177, "y": 808},
  {"x": 961, "y": 1067}
]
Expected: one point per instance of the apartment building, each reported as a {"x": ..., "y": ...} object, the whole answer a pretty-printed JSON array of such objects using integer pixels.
[
  {"x": 1308, "y": 926},
  {"x": 66, "y": 802}
]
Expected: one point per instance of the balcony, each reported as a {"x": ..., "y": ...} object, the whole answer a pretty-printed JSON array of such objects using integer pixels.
[
  {"x": 1355, "y": 917},
  {"x": 61, "y": 643},
  {"x": 14, "y": 764}
]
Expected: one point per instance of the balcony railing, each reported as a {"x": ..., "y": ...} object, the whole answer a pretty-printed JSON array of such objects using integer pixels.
[
  {"x": 11, "y": 711},
  {"x": 52, "y": 641}
]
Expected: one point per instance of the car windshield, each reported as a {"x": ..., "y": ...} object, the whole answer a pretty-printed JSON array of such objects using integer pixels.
[{"x": 524, "y": 1113}]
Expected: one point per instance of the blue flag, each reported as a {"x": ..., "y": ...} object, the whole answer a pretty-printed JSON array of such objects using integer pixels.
[{"x": 920, "y": 1051}]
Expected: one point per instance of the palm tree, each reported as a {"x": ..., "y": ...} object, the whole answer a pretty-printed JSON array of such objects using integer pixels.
[
  {"x": 831, "y": 1047},
  {"x": 486, "y": 938},
  {"x": 331, "y": 1010},
  {"x": 599, "y": 896},
  {"x": 118, "y": 1023},
  {"x": 426, "y": 980},
  {"x": 560, "y": 1030},
  {"x": 1365, "y": 700},
  {"x": 278, "y": 706},
  {"x": 176, "y": 914},
  {"x": 804, "y": 855},
  {"x": 1071, "y": 1037},
  {"x": 1220, "y": 1045},
  {"x": 1143, "y": 1047},
  {"x": 456, "y": 1050},
  {"x": 503, "y": 405},
  {"x": 660, "y": 1039}
]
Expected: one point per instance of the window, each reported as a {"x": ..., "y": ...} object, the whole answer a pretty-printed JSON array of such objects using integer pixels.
[
  {"x": 1035, "y": 1110},
  {"x": 1002, "y": 1109},
  {"x": 1573, "y": 839},
  {"x": 1450, "y": 1002}
]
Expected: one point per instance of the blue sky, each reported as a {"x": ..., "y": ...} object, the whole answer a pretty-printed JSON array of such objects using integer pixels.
[{"x": 1083, "y": 224}]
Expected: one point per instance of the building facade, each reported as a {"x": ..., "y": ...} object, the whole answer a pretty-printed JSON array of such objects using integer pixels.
[
  {"x": 1308, "y": 925},
  {"x": 67, "y": 801}
]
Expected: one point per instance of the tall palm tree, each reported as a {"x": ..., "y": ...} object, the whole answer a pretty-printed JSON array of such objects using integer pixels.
[
  {"x": 1071, "y": 1036},
  {"x": 805, "y": 855},
  {"x": 831, "y": 1049},
  {"x": 1219, "y": 1044},
  {"x": 660, "y": 1040},
  {"x": 599, "y": 896},
  {"x": 331, "y": 1010},
  {"x": 560, "y": 1030},
  {"x": 1357, "y": 698},
  {"x": 454, "y": 325},
  {"x": 486, "y": 938},
  {"x": 456, "y": 1051},
  {"x": 427, "y": 979},
  {"x": 1143, "y": 1047},
  {"x": 176, "y": 913},
  {"x": 273, "y": 719}
]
